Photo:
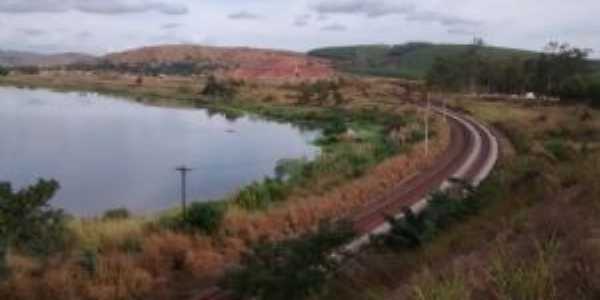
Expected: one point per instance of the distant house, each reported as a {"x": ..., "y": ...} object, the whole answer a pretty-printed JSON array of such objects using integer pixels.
[{"x": 530, "y": 96}]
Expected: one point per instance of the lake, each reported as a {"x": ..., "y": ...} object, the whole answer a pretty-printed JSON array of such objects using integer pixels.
[{"x": 108, "y": 152}]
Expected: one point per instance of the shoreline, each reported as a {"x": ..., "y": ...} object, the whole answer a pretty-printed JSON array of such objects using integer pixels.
[{"x": 309, "y": 117}]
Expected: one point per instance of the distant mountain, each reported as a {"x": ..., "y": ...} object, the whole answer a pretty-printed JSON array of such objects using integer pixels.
[
  {"x": 20, "y": 58},
  {"x": 411, "y": 60},
  {"x": 241, "y": 63}
]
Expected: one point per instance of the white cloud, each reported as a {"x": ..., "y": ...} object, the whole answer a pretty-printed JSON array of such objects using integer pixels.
[
  {"x": 298, "y": 24},
  {"x": 108, "y": 7}
]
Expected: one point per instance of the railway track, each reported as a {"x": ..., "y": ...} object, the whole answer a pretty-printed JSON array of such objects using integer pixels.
[{"x": 470, "y": 156}]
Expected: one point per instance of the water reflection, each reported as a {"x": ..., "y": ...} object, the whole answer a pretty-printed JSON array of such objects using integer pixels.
[{"x": 110, "y": 153}]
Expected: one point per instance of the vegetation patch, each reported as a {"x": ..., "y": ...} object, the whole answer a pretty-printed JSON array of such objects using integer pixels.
[{"x": 291, "y": 269}]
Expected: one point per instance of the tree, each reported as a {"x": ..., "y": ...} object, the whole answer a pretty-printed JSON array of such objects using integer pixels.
[
  {"x": 217, "y": 89},
  {"x": 558, "y": 63},
  {"x": 28, "y": 223},
  {"x": 292, "y": 269},
  {"x": 561, "y": 70},
  {"x": 3, "y": 71},
  {"x": 473, "y": 63},
  {"x": 445, "y": 74}
]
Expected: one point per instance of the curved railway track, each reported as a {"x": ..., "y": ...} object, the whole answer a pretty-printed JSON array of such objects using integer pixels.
[{"x": 471, "y": 155}]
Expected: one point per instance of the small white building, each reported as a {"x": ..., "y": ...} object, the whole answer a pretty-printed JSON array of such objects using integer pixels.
[{"x": 530, "y": 96}]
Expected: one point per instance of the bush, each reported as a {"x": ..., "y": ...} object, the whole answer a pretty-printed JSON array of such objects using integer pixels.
[
  {"x": 290, "y": 269},
  {"x": 205, "y": 216},
  {"x": 4, "y": 71},
  {"x": 290, "y": 170},
  {"x": 28, "y": 223},
  {"x": 594, "y": 91},
  {"x": 558, "y": 149},
  {"x": 335, "y": 126},
  {"x": 516, "y": 137},
  {"x": 442, "y": 211},
  {"x": 218, "y": 89},
  {"x": 116, "y": 214},
  {"x": 88, "y": 261},
  {"x": 575, "y": 87},
  {"x": 258, "y": 196}
]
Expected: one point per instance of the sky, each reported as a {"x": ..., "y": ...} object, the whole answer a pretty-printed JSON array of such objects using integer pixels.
[{"x": 102, "y": 26}]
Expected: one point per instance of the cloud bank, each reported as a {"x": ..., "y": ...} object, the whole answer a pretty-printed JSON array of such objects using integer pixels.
[{"x": 106, "y": 7}]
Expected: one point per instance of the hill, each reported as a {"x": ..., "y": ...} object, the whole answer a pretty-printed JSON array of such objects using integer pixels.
[
  {"x": 239, "y": 63},
  {"x": 411, "y": 60},
  {"x": 20, "y": 58}
]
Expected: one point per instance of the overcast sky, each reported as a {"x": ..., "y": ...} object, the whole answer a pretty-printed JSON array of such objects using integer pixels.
[{"x": 100, "y": 26}]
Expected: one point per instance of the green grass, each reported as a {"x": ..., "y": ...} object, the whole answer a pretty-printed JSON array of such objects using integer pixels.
[
  {"x": 453, "y": 288},
  {"x": 341, "y": 159}
]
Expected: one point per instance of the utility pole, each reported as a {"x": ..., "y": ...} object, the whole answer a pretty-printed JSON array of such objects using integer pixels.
[
  {"x": 445, "y": 111},
  {"x": 427, "y": 124},
  {"x": 183, "y": 170}
]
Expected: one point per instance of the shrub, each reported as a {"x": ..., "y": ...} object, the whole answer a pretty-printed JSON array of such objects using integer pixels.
[
  {"x": 516, "y": 137},
  {"x": 557, "y": 148},
  {"x": 290, "y": 170},
  {"x": 431, "y": 288},
  {"x": 206, "y": 217},
  {"x": 116, "y": 214},
  {"x": 290, "y": 269},
  {"x": 531, "y": 280},
  {"x": 218, "y": 89},
  {"x": 28, "y": 223},
  {"x": 442, "y": 211},
  {"x": 260, "y": 195},
  {"x": 88, "y": 261},
  {"x": 335, "y": 126},
  {"x": 4, "y": 71},
  {"x": 416, "y": 136}
]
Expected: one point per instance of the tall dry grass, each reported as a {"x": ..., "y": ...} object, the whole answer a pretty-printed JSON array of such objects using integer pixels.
[
  {"x": 110, "y": 233},
  {"x": 300, "y": 214}
]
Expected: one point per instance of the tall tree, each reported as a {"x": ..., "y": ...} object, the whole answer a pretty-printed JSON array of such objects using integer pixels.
[
  {"x": 558, "y": 63},
  {"x": 28, "y": 223}
]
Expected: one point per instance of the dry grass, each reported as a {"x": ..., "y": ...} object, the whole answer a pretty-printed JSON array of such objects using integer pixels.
[
  {"x": 539, "y": 238},
  {"x": 108, "y": 234},
  {"x": 300, "y": 214},
  {"x": 357, "y": 93}
]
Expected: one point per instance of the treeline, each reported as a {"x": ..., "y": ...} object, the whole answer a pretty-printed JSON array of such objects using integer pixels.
[
  {"x": 561, "y": 70},
  {"x": 184, "y": 68}
]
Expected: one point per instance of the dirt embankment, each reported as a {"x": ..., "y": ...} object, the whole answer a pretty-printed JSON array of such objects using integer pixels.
[{"x": 237, "y": 63}]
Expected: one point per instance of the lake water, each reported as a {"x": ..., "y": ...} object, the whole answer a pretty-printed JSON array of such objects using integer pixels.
[{"x": 108, "y": 152}]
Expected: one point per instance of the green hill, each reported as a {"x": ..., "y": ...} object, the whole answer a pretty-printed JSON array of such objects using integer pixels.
[{"x": 411, "y": 60}]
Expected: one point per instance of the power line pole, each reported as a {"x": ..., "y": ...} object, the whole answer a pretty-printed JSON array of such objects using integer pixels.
[
  {"x": 183, "y": 170},
  {"x": 427, "y": 124}
]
